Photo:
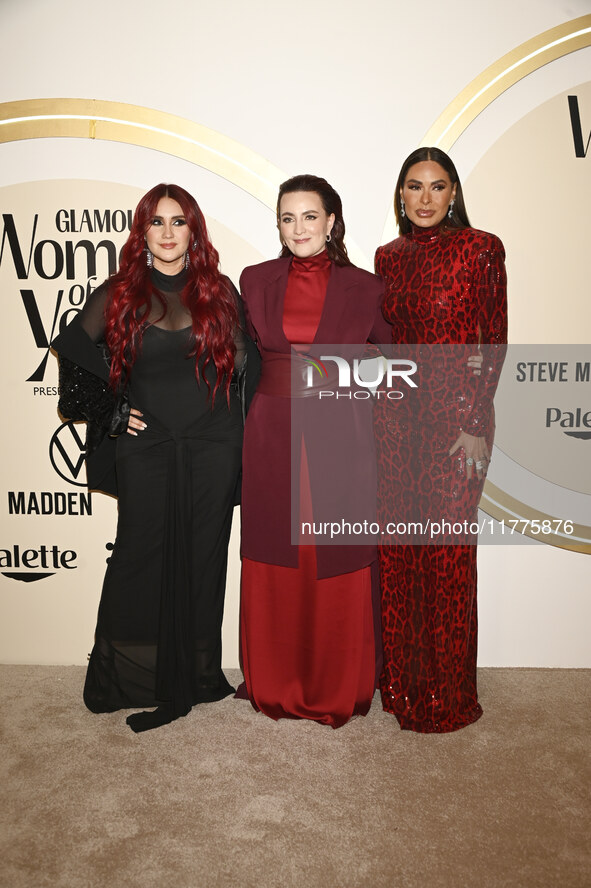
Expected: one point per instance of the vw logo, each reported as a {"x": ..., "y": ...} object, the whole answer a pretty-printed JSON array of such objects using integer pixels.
[{"x": 67, "y": 450}]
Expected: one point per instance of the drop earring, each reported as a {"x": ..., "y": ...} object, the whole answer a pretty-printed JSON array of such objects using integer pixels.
[
  {"x": 402, "y": 210},
  {"x": 187, "y": 257},
  {"x": 149, "y": 258},
  {"x": 450, "y": 212}
]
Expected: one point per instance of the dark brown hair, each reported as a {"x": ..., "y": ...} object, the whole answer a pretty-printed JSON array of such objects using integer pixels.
[
  {"x": 331, "y": 203},
  {"x": 459, "y": 216}
]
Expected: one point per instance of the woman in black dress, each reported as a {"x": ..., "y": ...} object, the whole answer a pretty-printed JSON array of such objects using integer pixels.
[{"x": 170, "y": 322}]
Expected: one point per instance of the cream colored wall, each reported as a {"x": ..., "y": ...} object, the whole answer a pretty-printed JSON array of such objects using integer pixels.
[{"x": 344, "y": 90}]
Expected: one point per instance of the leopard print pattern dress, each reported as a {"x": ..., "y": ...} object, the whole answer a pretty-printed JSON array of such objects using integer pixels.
[{"x": 445, "y": 296}]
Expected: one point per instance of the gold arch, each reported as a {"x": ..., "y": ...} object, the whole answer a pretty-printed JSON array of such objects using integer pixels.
[
  {"x": 496, "y": 79},
  {"x": 508, "y": 70},
  {"x": 500, "y": 505},
  {"x": 148, "y": 128}
]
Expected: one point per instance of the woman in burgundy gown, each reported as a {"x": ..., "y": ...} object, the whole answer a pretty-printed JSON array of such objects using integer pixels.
[
  {"x": 307, "y": 623},
  {"x": 445, "y": 290}
]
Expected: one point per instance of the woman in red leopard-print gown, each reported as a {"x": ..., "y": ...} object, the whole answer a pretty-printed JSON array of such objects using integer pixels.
[{"x": 445, "y": 284}]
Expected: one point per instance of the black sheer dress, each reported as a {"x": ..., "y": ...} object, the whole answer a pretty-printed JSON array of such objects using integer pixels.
[{"x": 158, "y": 635}]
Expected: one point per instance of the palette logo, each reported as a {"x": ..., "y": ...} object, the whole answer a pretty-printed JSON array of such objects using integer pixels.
[
  {"x": 30, "y": 565},
  {"x": 574, "y": 423},
  {"x": 350, "y": 384}
]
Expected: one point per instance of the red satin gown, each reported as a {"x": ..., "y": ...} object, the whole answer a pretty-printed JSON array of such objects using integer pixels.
[
  {"x": 441, "y": 288},
  {"x": 307, "y": 644}
]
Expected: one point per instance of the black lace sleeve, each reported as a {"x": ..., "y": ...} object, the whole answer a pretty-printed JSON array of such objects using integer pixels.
[
  {"x": 239, "y": 334},
  {"x": 92, "y": 316},
  {"x": 82, "y": 395},
  {"x": 82, "y": 340},
  {"x": 84, "y": 392}
]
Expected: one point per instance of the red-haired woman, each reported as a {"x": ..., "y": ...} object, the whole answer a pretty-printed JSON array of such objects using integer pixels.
[
  {"x": 445, "y": 293},
  {"x": 170, "y": 321}
]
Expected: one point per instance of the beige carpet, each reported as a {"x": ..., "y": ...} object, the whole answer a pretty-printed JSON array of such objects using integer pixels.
[{"x": 227, "y": 797}]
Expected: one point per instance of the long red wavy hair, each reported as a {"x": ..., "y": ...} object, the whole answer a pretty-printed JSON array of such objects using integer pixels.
[{"x": 207, "y": 295}]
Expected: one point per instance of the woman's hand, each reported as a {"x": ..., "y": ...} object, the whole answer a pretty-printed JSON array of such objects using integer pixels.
[
  {"x": 477, "y": 453},
  {"x": 475, "y": 363},
  {"x": 135, "y": 424}
]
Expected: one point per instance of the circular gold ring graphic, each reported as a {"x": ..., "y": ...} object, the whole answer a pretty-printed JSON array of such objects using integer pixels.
[
  {"x": 148, "y": 128},
  {"x": 495, "y": 80}
]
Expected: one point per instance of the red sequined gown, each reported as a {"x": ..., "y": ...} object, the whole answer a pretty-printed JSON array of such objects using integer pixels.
[{"x": 441, "y": 287}]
